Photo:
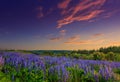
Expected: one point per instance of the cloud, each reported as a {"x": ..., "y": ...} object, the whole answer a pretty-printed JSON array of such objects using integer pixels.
[
  {"x": 62, "y": 32},
  {"x": 77, "y": 42},
  {"x": 64, "y": 4},
  {"x": 74, "y": 38},
  {"x": 40, "y": 12},
  {"x": 60, "y": 37},
  {"x": 115, "y": 43},
  {"x": 85, "y": 10},
  {"x": 109, "y": 14},
  {"x": 85, "y": 42},
  {"x": 98, "y": 35},
  {"x": 56, "y": 39}
]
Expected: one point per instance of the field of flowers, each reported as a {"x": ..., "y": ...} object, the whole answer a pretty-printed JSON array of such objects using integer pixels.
[{"x": 17, "y": 67}]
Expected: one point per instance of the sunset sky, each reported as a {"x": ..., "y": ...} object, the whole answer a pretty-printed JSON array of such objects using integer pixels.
[{"x": 59, "y": 24}]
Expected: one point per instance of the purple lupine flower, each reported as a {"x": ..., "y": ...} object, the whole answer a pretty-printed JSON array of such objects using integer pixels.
[
  {"x": 1, "y": 60},
  {"x": 106, "y": 72},
  {"x": 59, "y": 64}
]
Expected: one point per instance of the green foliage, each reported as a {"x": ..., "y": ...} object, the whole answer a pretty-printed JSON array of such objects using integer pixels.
[
  {"x": 88, "y": 78},
  {"x": 117, "y": 71},
  {"x": 96, "y": 67},
  {"x": 98, "y": 55},
  {"x": 101, "y": 79},
  {"x": 53, "y": 77},
  {"x": 110, "y": 56},
  {"x": 76, "y": 55},
  {"x": 117, "y": 57},
  {"x": 114, "y": 49},
  {"x": 23, "y": 74},
  {"x": 75, "y": 74},
  {"x": 4, "y": 78}
]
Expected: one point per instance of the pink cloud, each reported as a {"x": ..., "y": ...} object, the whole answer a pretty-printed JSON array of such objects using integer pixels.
[
  {"x": 98, "y": 34},
  {"x": 78, "y": 42},
  {"x": 60, "y": 37},
  {"x": 85, "y": 42},
  {"x": 91, "y": 10},
  {"x": 62, "y": 32},
  {"x": 74, "y": 38},
  {"x": 64, "y": 4}
]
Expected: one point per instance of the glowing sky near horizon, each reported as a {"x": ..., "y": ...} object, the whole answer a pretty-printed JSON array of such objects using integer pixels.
[{"x": 59, "y": 24}]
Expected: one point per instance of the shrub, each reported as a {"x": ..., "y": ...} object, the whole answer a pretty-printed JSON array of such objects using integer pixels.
[
  {"x": 98, "y": 55},
  {"x": 110, "y": 56},
  {"x": 76, "y": 55}
]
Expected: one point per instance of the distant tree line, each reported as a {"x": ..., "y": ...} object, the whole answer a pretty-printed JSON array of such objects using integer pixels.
[
  {"x": 114, "y": 49},
  {"x": 109, "y": 53}
]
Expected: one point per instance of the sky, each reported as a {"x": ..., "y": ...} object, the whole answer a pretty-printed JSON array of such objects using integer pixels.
[{"x": 59, "y": 24}]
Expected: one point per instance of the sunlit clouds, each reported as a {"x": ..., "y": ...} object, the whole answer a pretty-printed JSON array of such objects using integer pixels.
[
  {"x": 56, "y": 38},
  {"x": 77, "y": 40},
  {"x": 59, "y": 24},
  {"x": 83, "y": 11},
  {"x": 83, "y": 42},
  {"x": 114, "y": 43},
  {"x": 64, "y": 4},
  {"x": 61, "y": 36},
  {"x": 73, "y": 38},
  {"x": 62, "y": 32},
  {"x": 98, "y": 35}
]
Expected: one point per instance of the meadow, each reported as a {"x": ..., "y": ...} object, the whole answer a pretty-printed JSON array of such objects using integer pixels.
[{"x": 72, "y": 66}]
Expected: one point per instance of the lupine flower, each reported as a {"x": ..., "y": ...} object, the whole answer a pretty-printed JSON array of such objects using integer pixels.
[
  {"x": 1, "y": 60},
  {"x": 58, "y": 65}
]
